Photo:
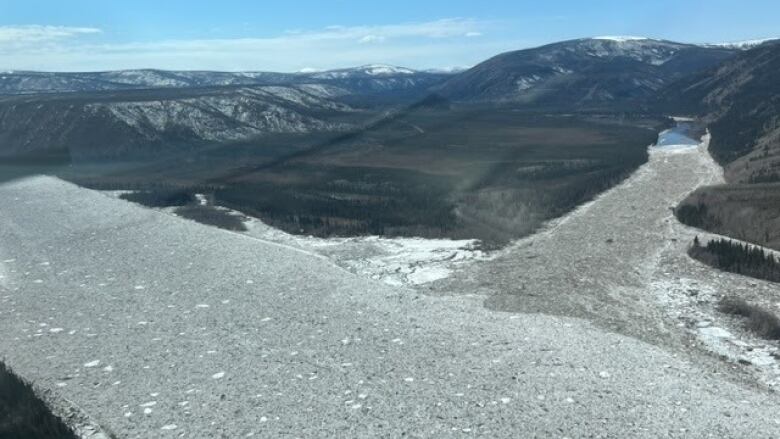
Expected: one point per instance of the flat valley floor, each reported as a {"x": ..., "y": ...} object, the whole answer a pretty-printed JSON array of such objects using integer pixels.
[{"x": 600, "y": 326}]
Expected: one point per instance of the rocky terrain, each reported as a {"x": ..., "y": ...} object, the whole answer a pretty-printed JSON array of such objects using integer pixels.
[
  {"x": 632, "y": 274},
  {"x": 207, "y": 332}
]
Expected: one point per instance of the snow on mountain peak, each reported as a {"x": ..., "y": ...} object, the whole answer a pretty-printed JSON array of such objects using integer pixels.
[
  {"x": 448, "y": 70},
  {"x": 384, "y": 69},
  {"x": 620, "y": 38},
  {"x": 743, "y": 45},
  {"x": 366, "y": 70}
]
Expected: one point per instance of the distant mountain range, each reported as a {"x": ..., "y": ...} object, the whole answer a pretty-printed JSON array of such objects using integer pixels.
[
  {"x": 359, "y": 80},
  {"x": 150, "y": 112},
  {"x": 744, "y": 45},
  {"x": 153, "y": 122},
  {"x": 106, "y": 114},
  {"x": 578, "y": 73}
]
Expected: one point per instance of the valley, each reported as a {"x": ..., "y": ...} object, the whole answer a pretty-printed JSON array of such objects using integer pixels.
[
  {"x": 517, "y": 249},
  {"x": 145, "y": 354},
  {"x": 373, "y": 150},
  {"x": 425, "y": 174}
]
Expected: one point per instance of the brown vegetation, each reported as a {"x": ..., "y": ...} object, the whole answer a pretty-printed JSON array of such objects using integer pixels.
[
  {"x": 746, "y": 212},
  {"x": 760, "y": 321}
]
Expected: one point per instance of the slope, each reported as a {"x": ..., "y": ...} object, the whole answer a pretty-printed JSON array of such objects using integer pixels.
[
  {"x": 160, "y": 327},
  {"x": 740, "y": 102},
  {"x": 581, "y": 73}
]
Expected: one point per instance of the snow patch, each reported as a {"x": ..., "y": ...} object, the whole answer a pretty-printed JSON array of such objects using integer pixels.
[
  {"x": 715, "y": 332},
  {"x": 743, "y": 45},
  {"x": 620, "y": 38}
]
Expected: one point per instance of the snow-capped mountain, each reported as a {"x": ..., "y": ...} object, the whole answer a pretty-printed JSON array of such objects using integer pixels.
[
  {"x": 744, "y": 45},
  {"x": 449, "y": 70},
  {"x": 620, "y": 38},
  {"x": 374, "y": 79},
  {"x": 371, "y": 70},
  {"x": 21, "y": 82},
  {"x": 123, "y": 112},
  {"x": 582, "y": 72}
]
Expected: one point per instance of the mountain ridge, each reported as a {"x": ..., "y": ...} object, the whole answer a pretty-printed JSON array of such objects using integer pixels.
[
  {"x": 368, "y": 78},
  {"x": 582, "y": 72}
]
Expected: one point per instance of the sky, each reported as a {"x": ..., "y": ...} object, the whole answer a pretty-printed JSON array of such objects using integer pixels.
[{"x": 292, "y": 35}]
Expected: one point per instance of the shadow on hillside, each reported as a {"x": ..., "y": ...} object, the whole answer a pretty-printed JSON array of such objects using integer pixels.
[{"x": 21, "y": 166}]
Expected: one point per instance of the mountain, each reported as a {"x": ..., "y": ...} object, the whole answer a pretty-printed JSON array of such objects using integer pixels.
[
  {"x": 376, "y": 79},
  {"x": 142, "y": 113},
  {"x": 379, "y": 83},
  {"x": 367, "y": 71},
  {"x": 153, "y": 122},
  {"x": 582, "y": 73},
  {"x": 743, "y": 45},
  {"x": 22, "y": 82}
]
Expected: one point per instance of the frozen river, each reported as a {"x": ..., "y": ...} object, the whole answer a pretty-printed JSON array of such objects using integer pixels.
[{"x": 677, "y": 137}]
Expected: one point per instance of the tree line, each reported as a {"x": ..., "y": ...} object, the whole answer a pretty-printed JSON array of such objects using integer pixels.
[{"x": 737, "y": 258}]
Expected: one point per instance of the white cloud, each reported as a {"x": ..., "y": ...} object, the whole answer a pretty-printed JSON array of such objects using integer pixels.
[
  {"x": 36, "y": 33},
  {"x": 418, "y": 45},
  {"x": 443, "y": 28},
  {"x": 372, "y": 39}
]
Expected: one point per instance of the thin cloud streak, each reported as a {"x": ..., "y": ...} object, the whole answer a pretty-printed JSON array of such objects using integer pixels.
[
  {"x": 423, "y": 44},
  {"x": 18, "y": 35}
]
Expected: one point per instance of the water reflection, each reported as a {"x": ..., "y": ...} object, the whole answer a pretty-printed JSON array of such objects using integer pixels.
[{"x": 677, "y": 137}]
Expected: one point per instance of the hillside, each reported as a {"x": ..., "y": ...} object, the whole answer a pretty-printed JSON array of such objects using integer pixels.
[
  {"x": 370, "y": 79},
  {"x": 152, "y": 123},
  {"x": 740, "y": 102},
  {"x": 582, "y": 73},
  {"x": 149, "y": 114}
]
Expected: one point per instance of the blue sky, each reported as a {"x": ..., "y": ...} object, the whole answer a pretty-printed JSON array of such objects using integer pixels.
[{"x": 85, "y": 35}]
